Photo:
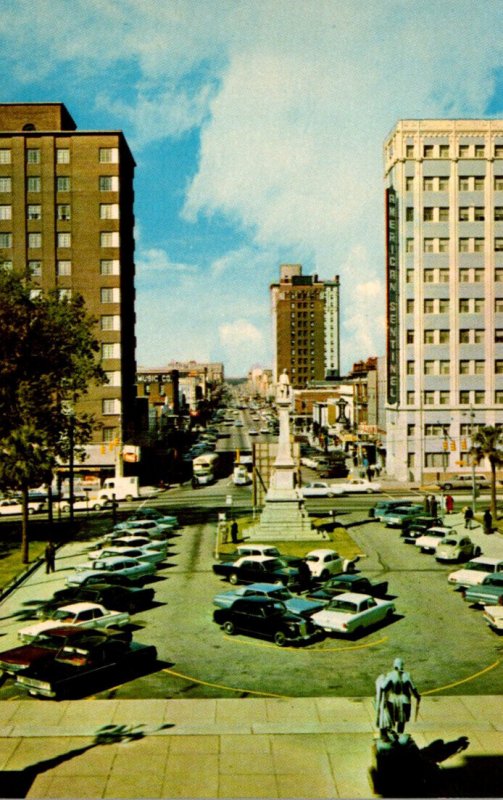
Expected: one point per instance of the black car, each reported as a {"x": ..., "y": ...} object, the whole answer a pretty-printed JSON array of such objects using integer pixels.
[
  {"x": 413, "y": 529},
  {"x": 120, "y": 598},
  {"x": 82, "y": 669},
  {"x": 255, "y": 569},
  {"x": 348, "y": 582},
  {"x": 261, "y": 616},
  {"x": 337, "y": 470}
]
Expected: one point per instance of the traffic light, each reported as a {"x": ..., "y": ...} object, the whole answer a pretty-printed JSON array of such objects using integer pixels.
[
  {"x": 446, "y": 444},
  {"x": 453, "y": 444},
  {"x": 463, "y": 444}
]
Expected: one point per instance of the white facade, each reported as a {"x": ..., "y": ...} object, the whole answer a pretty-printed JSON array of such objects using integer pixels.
[
  {"x": 444, "y": 222},
  {"x": 332, "y": 316}
]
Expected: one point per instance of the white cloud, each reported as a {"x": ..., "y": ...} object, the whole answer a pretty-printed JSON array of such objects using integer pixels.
[{"x": 156, "y": 259}]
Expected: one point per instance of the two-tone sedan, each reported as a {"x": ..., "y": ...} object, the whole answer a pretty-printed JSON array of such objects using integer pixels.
[
  {"x": 293, "y": 603},
  {"x": 258, "y": 569},
  {"x": 400, "y": 516},
  {"x": 83, "y": 615},
  {"x": 429, "y": 541},
  {"x": 351, "y": 612},
  {"x": 118, "y": 565},
  {"x": 319, "y": 489}
]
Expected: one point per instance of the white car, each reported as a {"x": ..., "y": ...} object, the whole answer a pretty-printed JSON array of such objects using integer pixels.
[
  {"x": 85, "y": 615},
  {"x": 348, "y": 612},
  {"x": 358, "y": 485},
  {"x": 324, "y": 562},
  {"x": 493, "y": 615},
  {"x": 144, "y": 553},
  {"x": 130, "y": 540},
  {"x": 429, "y": 541},
  {"x": 10, "y": 505},
  {"x": 319, "y": 489},
  {"x": 129, "y": 568},
  {"x": 475, "y": 571},
  {"x": 456, "y": 547}
]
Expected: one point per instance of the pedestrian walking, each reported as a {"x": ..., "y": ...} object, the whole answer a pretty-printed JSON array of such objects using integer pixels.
[
  {"x": 433, "y": 506},
  {"x": 234, "y": 532},
  {"x": 427, "y": 507},
  {"x": 304, "y": 575},
  {"x": 50, "y": 557},
  {"x": 488, "y": 521},
  {"x": 449, "y": 503},
  {"x": 468, "y": 515}
]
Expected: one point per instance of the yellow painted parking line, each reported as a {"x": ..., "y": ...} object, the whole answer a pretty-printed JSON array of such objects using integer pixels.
[
  {"x": 269, "y": 646},
  {"x": 222, "y": 686},
  {"x": 463, "y": 680}
]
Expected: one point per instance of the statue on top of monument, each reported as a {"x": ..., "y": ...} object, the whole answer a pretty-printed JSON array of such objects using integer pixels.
[{"x": 284, "y": 389}]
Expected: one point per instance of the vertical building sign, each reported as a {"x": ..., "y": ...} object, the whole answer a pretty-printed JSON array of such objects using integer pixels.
[{"x": 392, "y": 287}]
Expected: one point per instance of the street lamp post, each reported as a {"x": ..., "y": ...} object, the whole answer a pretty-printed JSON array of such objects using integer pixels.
[{"x": 69, "y": 412}]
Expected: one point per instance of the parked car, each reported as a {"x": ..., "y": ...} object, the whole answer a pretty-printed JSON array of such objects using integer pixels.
[
  {"x": 347, "y": 582},
  {"x": 350, "y": 612},
  {"x": 417, "y": 526},
  {"x": 76, "y": 669},
  {"x": 493, "y": 615},
  {"x": 123, "y": 598},
  {"x": 150, "y": 526},
  {"x": 318, "y": 489},
  {"x": 260, "y": 616},
  {"x": 337, "y": 470},
  {"x": 261, "y": 550},
  {"x": 80, "y": 503},
  {"x": 383, "y": 506},
  {"x": 131, "y": 540},
  {"x": 475, "y": 571},
  {"x": 258, "y": 569},
  {"x": 144, "y": 553},
  {"x": 85, "y": 615},
  {"x": 117, "y": 565},
  {"x": 9, "y": 505},
  {"x": 153, "y": 514},
  {"x": 358, "y": 486},
  {"x": 427, "y": 543},
  {"x": 324, "y": 562},
  {"x": 46, "y": 646},
  {"x": 456, "y": 547},
  {"x": 293, "y": 603},
  {"x": 465, "y": 482},
  {"x": 489, "y": 592},
  {"x": 396, "y": 517}
]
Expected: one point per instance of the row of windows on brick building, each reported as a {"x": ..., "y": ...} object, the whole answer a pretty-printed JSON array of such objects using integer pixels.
[
  {"x": 106, "y": 155},
  {"x": 63, "y": 183},
  {"x": 63, "y": 239}
]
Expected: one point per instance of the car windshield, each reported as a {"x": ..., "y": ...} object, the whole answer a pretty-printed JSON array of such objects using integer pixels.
[
  {"x": 45, "y": 640},
  {"x": 280, "y": 594},
  {"x": 274, "y": 563},
  {"x": 63, "y": 616},
  {"x": 451, "y": 542}
]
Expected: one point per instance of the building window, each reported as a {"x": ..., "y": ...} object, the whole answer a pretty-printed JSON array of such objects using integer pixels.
[
  {"x": 464, "y": 150},
  {"x": 409, "y": 151},
  {"x": 464, "y": 397},
  {"x": 34, "y": 212},
  {"x": 5, "y": 185},
  {"x": 409, "y": 184},
  {"x": 498, "y": 275},
  {"x": 428, "y": 214},
  {"x": 5, "y": 156},
  {"x": 479, "y": 366},
  {"x": 429, "y": 367},
  {"x": 498, "y": 183},
  {"x": 33, "y": 156},
  {"x": 109, "y": 435},
  {"x": 411, "y": 429},
  {"x": 409, "y": 214},
  {"x": 428, "y": 307},
  {"x": 64, "y": 268},
  {"x": 464, "y": 245},
  {"x": 433, "y": 460},
  {"x": 498, "y": 396},
  {"x": 464, "y": 336},
  {"x": 498, "y": 334},
  {"x": 62, "y": 155},
  {"x": 410, "y": 367},
  {"x": 109, "y": 211},
  {"x": 409, "y": 245},
  {"x": 479, "y": 151},
  {"x": 110, "y": 294},
  {"x": 109, "y": 266},
  {"x": 35, "y": 268},
  {"x": 443, "y": 276},
  {"x": 114, "y": 378},
  {"x": 445, "y": 367},
  {"x": 464, "y": 184},
  {"x": 479, "y": 183},
  {"x": 479, "y": 213},
  {"x": 410, "y": 337},
  {"x": 62, "y": 183},
  {"x": 428, "y": 151},
  {"x": 478, "y": 245},
  {"x": 464, "y": 305},
  {"x": 34, "y": 240},
  {"x": 110, "y": 406},
  {"x": 429, "y": 337},
  {"x": 428, "y": 246},
  {"x": 109, "y": 239},
  {"x": 33, "y": 183},
  {"x": 64, "y": 212},
  {"x": 429, "y": 276},
  {"x": 64, "y": 239},
  {"x": 443, "y": 306},
  {"x": 443, "y": 184},
  {"x": 409, "y": 307},
  {"x": 108, "y": 183},
  {"x": 429, "y": 398},
  {"x": 428, "y": 185},
  {"x": 464, "y": 214},
  {"x": 479, "y": 397},
  {"x": 5, "y": 239},
  {"x": 478, "y": 275},
  {"x": 64, "y": 294},
  {"x": 498, "y": 150},
  {"x": 478, "y": 336},
  {"x": 464, "y": 275},
  {"x": 409, "y": 276},
  {"x": 443, "y": 245},
  {"x": 5, "y": 212},
  {"x": 444, "y": 336},
  {"x": 464, "y": 367},
  {"x": 110, "y": 322},
  {"x": 444, "y": 397},
  {"x": 34, "y": 293},
  {"x": 498, "y": 366},
  {"x": 109, "y": 155},
  {"x": 498, "y": 244},
  {"x": 110, "y": 350},
  {"x": 411, "y": 398},
  {"x": 443, "y": 151},
  {"x": 6, "y": 264},
  {"x": 478, "y": 305},
  {"x": 443, "y": 214}
]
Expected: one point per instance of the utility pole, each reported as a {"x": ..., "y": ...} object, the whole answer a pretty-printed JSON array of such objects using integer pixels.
[{"x": 474, "y": 485}]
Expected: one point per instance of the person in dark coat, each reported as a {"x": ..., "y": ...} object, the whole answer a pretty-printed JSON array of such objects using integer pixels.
[
  {"x": 50, "y": 557},
  {"x": 488, "y": 521},
  {"x": 468, "y": 513},
  {"x": 304, "y": 575},
  {"x": 234, "y": 532},
  {"x": 433, "y": 506},
  {"x": 427, "y": 507}
]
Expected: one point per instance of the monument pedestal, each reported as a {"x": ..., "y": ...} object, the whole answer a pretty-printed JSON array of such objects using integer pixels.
[{"x": 283, "y": 517}]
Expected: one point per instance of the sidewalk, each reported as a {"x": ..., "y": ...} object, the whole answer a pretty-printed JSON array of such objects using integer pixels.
[{"x": 260, "y": 748}]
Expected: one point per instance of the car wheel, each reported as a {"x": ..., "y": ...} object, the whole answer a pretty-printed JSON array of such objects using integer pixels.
[
  {"x": 229, "y": 628},
  {"x": 447, "y": 486},
  {"x": 31, "y": 511},
  {"x": 370, "y": 491},
  {"x": 280, "y": 638},
  {"x": 97, "y": 507},
  {"x": 477, "y": 552},
  {"x": 325, "y": 575},
  {"x": 233, "y": 578},
  {"x": 389, "y": 615},
  {"x": 129, "y": 498}
]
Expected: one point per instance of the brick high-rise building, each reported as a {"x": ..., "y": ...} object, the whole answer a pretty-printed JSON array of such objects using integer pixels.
[
  {"x": 66, "y": 215},
  {"x": 305, "y": 312},
  {"x": 444, "y": 198}
]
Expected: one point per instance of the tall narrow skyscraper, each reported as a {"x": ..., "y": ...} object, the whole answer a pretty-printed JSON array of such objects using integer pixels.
[
  {"x": 444, "y": 261},
  {"x": 66, "y": 215},
  {"x": 305, "y": 313}
]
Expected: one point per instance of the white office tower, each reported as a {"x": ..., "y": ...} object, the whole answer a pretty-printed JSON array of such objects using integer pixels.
[{"x": 444, "y": 273}]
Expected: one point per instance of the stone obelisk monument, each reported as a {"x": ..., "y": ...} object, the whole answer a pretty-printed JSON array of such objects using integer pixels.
[{"x": 284, "y": 515}]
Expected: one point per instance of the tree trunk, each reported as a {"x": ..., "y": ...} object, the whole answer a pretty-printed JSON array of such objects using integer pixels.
[
  {"x": 24, "y": 525},
  {"x": 493, "y": 489}
]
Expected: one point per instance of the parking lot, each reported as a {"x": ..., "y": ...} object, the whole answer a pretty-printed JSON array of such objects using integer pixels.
[{"x": 444, "y": 642}]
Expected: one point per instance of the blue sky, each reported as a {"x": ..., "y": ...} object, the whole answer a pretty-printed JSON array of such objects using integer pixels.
[{"x": 257, "y": 127}]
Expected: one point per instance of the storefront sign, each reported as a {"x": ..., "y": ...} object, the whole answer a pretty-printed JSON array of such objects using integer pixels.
[{"x": 392, "y": 296}]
